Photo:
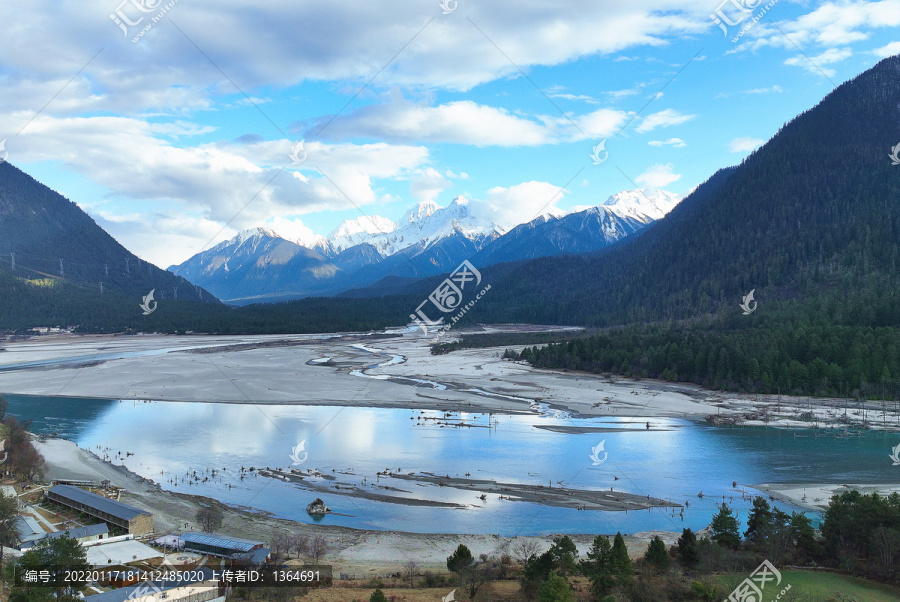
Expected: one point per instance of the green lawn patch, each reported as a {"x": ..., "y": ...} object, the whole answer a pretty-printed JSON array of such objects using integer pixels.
[{"x": 816, "y": 586}]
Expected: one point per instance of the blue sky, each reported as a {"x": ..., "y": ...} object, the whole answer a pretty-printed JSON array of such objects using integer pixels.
[{"x": 179, "y": 139}]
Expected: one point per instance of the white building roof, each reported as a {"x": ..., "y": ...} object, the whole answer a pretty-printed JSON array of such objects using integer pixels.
[{"x": 120, "y": 552}]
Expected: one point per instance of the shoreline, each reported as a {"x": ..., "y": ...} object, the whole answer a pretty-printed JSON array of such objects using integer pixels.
[
  {"x": 395, "y": 369},
  {"x": 360, "y": 552},
  {"x": 377, "y": 371},
  {"x": 364, "y": 553},
  {"x": 815, "y": 496}
]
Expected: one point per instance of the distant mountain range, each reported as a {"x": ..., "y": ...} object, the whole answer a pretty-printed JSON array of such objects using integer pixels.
[{"x": 259, "y": 265}]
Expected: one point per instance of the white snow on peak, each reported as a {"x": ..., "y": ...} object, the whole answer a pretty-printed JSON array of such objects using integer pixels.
[
  {"x": 641, "y": 204},
  {"x": 426, "y": 223},
  {"x": 363, "y": 229},
  {"x": 311, "y": 241},
  {"x": 552, "y": 213},
  {"x": 245, "y": 235},
  {"x": 422, "y": 210},
  {"x": 253, "y": 235}
]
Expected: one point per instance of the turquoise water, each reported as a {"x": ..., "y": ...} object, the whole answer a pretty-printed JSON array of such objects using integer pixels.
[{"x": 677, "y": 459}]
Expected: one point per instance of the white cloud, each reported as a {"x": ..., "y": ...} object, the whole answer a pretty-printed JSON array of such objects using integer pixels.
[
  {"x": 673, "y": 142},
  {"x": 744, "y": 144},
  {"x": 257, "y": 45},
  {"x": 460, "y": 122},
  {"x": 520, "y": 203},
  {"x": 829, "y": 25},
  {"x": 293, "y": 229},
  {"x": 427, "y": 184},
  {"x": 840, "y": 23},
  {"x": 581, "y": 97},
  {"x": 776, "y": 89},
  {"x": 817, "y": 64},
  {"x": 665, "y": 118},
  {"x": 601, "y": 123},
  {"x": 466, "y": 122},
  {"x": 887, "y": 50},
  {"x": 619, "y": 94},
  {"x": 209, "y": 184},
  {"x": 658, "y": 176}
]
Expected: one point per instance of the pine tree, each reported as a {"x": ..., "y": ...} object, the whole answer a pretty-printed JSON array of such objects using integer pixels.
[
  {"x": 460, "y": 560},
  {"x": 657, "y": 555},
  {"x": 686, "y": 549},
  {"x": 724, "y": 527},
  {"x": 564, "y": 554},
  {"x": 538, "y": 568},
  {"x": 620, "y": 561},
  {"x": 804, "y": 537},
  {"x": 598, "y": 566},
  {"x": 555, "y": 589},
  {"x": 759, "y": 521}
]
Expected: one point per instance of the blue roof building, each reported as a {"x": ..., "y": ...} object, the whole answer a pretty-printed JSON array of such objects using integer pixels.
[{"x": 225, "y": 547}]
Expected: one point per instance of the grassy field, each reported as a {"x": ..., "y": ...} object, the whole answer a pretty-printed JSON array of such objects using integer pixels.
[
  {"x": 806, "y": 586},
  {"x": 814, "y": 586},
  {"x": 501, "y": 591}
]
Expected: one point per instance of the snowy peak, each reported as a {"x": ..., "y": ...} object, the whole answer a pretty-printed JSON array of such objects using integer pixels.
[
  {"x": 421, "y": 211},
  {"x": 641, "y": 204},
  {"x": 312, "y": 241},
  {"x": 431, "y": 222},
  {"x": 246, "y": 235},
  {"x": 357, "y": 231},
  {"x": 424, "y": 224},
  {"x": 253, "y": 236}
]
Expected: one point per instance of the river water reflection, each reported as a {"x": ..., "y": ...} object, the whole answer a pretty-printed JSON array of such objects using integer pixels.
[{"x": 675, "y": 459}]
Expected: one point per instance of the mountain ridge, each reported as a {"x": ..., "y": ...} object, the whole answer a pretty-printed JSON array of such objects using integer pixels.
[{"x": 430, "y": 239}]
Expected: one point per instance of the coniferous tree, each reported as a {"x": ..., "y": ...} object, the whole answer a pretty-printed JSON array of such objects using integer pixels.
[
  {"x": 759, "y": 521},
  {"x": 657, "y": 555},
  {"x": 460, "y": 560},
  {"x": 620, "y": 561},
  {"x": 564, "y": 554},
  {"x": 599, "y": 566},
  {"x": 687, "y": 550},
  {"x": 555, "y": 589},
  {"x": 724, "y": 527}
]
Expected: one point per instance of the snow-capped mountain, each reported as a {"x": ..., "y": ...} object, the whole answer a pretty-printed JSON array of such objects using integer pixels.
[
  {"x": 424, "y": 224},
  {"x": 429, "y": 239},
  {"x": 363, "y": 229},
  {"x": 643, "y": 204},
  {"x": 258, "y": 264},
  {"x": 585, "y": 231}
]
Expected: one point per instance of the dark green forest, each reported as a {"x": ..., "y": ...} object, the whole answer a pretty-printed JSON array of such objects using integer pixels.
[
  {"x": 811, "y": 221},
  {"x": 25, "y": 304}
]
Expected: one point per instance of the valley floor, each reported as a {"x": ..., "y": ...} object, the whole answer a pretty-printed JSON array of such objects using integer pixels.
[
  {"x": 398, "y": 370},
  {"x": 395, "y": 369}
]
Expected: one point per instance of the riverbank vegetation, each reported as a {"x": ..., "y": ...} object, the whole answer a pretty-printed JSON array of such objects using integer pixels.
[{"x": 855, "y": 556}]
